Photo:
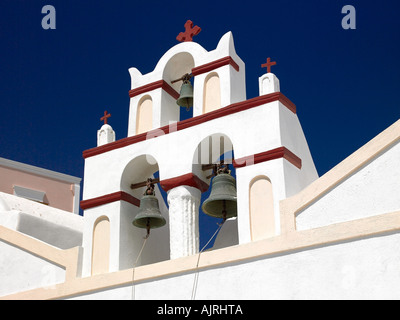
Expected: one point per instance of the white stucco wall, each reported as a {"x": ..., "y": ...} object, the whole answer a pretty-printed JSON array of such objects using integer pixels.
[
  {"x": 56, "y": 227},
  {"x": 372, "y": 190},
  {"x": 363, "y": 269},
  {"x": 174, "y": 152},
  {"x": 21, "y": 270},
  {"x": 125, "y": 239}
]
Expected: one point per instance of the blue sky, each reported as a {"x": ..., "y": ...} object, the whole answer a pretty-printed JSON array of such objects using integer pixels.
[{"x": 56, "y": 84}]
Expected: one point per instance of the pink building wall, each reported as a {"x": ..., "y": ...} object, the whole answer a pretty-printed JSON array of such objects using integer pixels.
[{"x": 61, "y": 191}]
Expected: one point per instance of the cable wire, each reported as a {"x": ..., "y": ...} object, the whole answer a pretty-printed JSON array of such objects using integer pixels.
[
  {"x": 134, "y": 266},
  {"x": 196, "y": 277}
]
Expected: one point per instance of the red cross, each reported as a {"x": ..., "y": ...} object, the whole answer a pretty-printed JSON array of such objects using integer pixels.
[
  {"x": 189, "y": 33},
  {"x": 106, "y": 116},
  {"x": 268, "y": 65}
]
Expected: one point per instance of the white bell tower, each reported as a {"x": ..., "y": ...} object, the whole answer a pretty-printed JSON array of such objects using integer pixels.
[{"x": 271, "y": 158}]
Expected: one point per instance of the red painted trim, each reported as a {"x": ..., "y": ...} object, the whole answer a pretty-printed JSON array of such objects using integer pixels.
[
  {"x": 287, "y": 103},
  {"x": 277, "y": 153},
  {"x": 214, "y": 65},
  {"x": 171, "y": 91},
  {"x": 108, "y": 198},
  {"x": 233, "y": 108},
  {"x": 152, "y": 86},
  {"x": 188, "y": 179},
  {"x": 292, "y": 158}
]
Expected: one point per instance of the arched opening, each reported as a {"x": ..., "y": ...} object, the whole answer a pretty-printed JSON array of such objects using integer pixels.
[
  {"x": 212, "y": 150},
  {"x": 101, "y": 246},
  {"x": 261, "y": 202},
  {"x": 144, "y": 117},
  {"x": 179, "y": 65},
  {"x": 212, "y": 93},
  {"x": 137, "y": 171}
]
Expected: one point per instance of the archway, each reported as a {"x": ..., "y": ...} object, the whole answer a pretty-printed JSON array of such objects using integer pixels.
[
  {"x": 211, "y": 150},
  {"x": 178, "y": 65},
  {"x": 133, "y": 179}
]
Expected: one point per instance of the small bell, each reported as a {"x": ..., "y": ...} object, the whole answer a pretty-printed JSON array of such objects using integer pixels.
[
  {"x": 149, "y": 215},
  {"x": 222, "y": 202},
  {"x": 186, "y": 94}
]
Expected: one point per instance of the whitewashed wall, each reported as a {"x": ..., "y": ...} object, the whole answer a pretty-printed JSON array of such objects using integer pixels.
[
  {"x": 21, "y": 270},
  {"x": 363, "y": 269},
  {"x": 372, "y": 190}
]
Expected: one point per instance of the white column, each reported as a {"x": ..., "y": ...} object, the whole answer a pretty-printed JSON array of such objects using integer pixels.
[{"x": 184, "y": 202}]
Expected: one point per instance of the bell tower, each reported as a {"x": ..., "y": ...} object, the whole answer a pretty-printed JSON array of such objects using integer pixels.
[
  {"x": 219, "y": 80},
  {"x": 262, "y": 135}
]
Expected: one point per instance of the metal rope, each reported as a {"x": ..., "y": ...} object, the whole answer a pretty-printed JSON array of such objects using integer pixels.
[
  {"x": 196, "y": 277},
  {"x": 134, "y": 265}
]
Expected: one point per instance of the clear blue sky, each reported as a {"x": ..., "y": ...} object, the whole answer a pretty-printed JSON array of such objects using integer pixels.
[{"x": 56, "y": 84}]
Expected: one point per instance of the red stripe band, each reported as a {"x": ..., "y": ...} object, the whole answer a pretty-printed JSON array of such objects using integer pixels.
[
  {"x": 214, "y": 65},
  {"x": 108, "y": 198},
  {"x": 277, "y": 153},
  {"x": 192, "y": 180},
  {"x": 188, "y": 179},
  {"x": 153, "y": 86},
  {"x": 233, "y": 108}
]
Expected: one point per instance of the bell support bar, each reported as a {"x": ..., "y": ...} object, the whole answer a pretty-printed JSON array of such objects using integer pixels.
[{"x": 143, "y": 184}]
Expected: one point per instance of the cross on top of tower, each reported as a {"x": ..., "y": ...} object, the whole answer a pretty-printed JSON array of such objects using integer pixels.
[
  {"x": 105, "y": 117},
  {"x": 268, "y": 64},
  {"x": 189, "y": 33}
]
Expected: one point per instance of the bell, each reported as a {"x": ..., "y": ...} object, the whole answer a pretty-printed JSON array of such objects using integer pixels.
[
  {"x": 149, "y": 215},
  {"x": 186, "y": 95},
  {"x": 222, "y": 200}
]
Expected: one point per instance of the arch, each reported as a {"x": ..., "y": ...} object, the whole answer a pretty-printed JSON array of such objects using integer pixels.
[
  {"x": 175, "y": 67},
  {"x": 261, "y": 208},
  {"x": 178, "y": 65},
  {"x": 211, "y": 93},
  {"x": 144, "y": 115},
  {"x": 101, "y": 246},
  {"x": 136, "y": 171},
  {"x": 212, "y": 149}
]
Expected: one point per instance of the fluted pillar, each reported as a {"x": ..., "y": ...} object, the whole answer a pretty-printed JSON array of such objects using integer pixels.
[{"x": 184, "y": 202}]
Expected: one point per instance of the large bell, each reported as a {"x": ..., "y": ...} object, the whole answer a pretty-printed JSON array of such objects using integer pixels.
[
  {"x": 222, "y": 200},
  {"x": 186, "y": 95},
  {"x": 149, "y": 215}
]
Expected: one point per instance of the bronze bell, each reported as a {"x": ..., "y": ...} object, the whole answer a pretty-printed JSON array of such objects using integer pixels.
[
  {"x": 222, "y": 201},
  {"x": 149, "y": 215},
  {"x": 186, "y": 95}
]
